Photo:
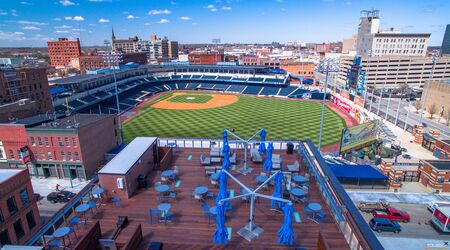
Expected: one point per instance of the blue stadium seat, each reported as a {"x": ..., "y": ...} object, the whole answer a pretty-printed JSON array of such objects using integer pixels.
[
  {"x": 269, "y": 90},
  {"x": 252, "y": 90}
]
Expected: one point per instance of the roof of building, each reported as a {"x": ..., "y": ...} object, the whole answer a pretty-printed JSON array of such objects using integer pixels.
[
  {"x": 124, "y": 161},
  {"x": 402, "y": 34},
  {"x": 356, "y": 171},
  {"x": 440, "y": 165},
  {"x": 401, "y": 159},
  {"x": 8, "y": 173},
  {"x": 71, "y": 122}
]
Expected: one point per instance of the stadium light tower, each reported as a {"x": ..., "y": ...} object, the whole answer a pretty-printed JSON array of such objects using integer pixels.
[
  {"x": 113, "y": 59},
  {"x": 325, "y": 65},
  {"x": 435, "y": 54}
]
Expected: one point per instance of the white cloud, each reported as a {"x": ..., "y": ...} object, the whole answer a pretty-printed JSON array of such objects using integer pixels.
[
  {"x": 132, "y": 17},
  {"x": 57, "y": 19},
  {"x": 25, "y": 3},
  {"x": 68, "y": 18},
  {"x": 14, "y": 12},
  {"x": 92, "y": 24},
  {"x": 163, "y": 21},
  {"x": 103, "y": 20},
  {"x": 74, "y": 18},
  {"x": 79, "y": 30},
  {"x": 173, "y": 3},
  {"x": 158, "y": 12},
  {"x": 31, "y": 28},
  {"x": 39, "y": 37},
  {"x": 3, "y": 13},
  {"x": 67, "y": 3},
  {"x": 12, "y": 35},
  {"x": 62, "y": 31},
  {"x": 226, "y": 8},
  {"x": 63, "y": 27},
  {"x": 100, "y": 1},
  {"x": 31, "y": 23},
  {"x": 211, "y": 7},
  {"x": 185, "y": 18}
]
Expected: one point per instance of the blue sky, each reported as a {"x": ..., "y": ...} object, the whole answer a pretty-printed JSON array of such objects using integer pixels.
[{"x": 33, "y": 22}]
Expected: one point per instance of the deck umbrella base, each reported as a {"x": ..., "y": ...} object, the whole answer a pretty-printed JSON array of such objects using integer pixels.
[
  {"x": 250, "y": 234},
  {"x": 245, "y": 170}
]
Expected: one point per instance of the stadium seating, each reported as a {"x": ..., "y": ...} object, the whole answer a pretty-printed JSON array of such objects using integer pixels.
[
  {"x": 196, "y": 77},
  {"x": 224, "y": 78},
  {"x": 298, "y": 93},
  {"x": 255, "y": 79},
  {"x": 187, "y": 76},
  {"x": 163, "y": 78},
  {"x": 101, "y": 94},
  {"x": 252, "y": 90},
  {"x": 239, "y": 79},
  {"x": 88, "y": 99},
  {"x": 192, "y": 85},
  {"x": 172, "y": 85},
  {"x": 207, "y": 77},
  {"x": 235, "y": 88},
  {"x": 176, "y": 77},
  {"x": 76, "y": 104},
  {"x": 207, "y": 85},
  {"x": 219, "y": 86},
  {"x": 274, "y": 80},
  {"x": 181, "y": 85},
  {"x": 287, "y": 90},
  {"x": 269, "y": 90}
]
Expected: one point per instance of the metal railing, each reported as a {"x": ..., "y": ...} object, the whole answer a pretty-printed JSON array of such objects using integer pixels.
[
  {"x": 344, "y": 212},
  {"x": 217, "y": 143}
]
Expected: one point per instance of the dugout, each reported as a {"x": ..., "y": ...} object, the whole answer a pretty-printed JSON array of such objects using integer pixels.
[{"x": 359, "y": 176}]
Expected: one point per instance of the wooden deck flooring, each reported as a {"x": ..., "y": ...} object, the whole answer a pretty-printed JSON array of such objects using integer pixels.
[{"x": 191, "y": 231}]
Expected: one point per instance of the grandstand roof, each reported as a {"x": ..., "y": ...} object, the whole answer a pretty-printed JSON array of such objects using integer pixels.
[
  {"x": 61, "y": 121},
  {"x": 356, "y": 172}
]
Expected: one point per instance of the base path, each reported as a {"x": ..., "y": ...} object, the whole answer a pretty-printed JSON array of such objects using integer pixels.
[{"x": 218, "y": 100}]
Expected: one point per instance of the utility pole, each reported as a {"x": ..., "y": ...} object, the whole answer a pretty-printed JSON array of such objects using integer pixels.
[
  {"x": 435, "y": 54},
  {"x": 366, "y": 76}
]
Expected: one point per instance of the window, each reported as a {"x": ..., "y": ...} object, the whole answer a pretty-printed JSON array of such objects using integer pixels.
[
  {"x": 24, "y": 197},
  {"x": 69, "y": 156},
  {"x": 19, "y": 229},
  {"x": 30, "y": 220},
  {"x": 19, "y": 154},
  {"x": 39, "y": 141},
  {"x": 33, "y": 143},
  {"x": 42, "y": 155},
  {"x": 49, "y": 156},
  {"x": 77, "y": 157},
  {"x": 60, "y": 142},
  {"x": 46, "y": 141},
  {"x": 66, "y": 140},
  {"x": 4, "y": 238},
  {"x": 74, "y": 142},
  {"x": 63, "y": 156},
  {"x": 12, "y": 206},
  {"x": 2, "y": 218}
]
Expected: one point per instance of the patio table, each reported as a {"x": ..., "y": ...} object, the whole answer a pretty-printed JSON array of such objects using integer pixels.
[
  {"x": 62, "y": 232},
  {"x": 162, "y": 188},
  {"x": 83, "y": 208},
  {"x": 314, "y": 207}
]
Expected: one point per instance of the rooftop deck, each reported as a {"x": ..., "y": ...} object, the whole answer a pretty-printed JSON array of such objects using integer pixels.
[{"x": 189, "y": 230}]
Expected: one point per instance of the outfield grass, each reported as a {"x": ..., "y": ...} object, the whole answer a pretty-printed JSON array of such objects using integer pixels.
[
  {"x": 191, "y": 98},
  {"x": 282, "y": 119}
]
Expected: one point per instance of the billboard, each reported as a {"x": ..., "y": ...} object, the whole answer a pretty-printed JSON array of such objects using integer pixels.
[
  {"x": 355, "y": 78},
  {"x": 25, "y": 155},
  {"x": 359, "y": 135}
]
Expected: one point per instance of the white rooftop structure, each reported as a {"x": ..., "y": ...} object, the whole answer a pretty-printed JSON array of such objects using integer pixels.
[
  {"x": 8, "y": 173},
  {"x": 126, "y": 158}
]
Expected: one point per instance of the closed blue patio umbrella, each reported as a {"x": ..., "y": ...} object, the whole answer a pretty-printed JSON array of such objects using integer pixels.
[
  {"x": 224, "y": 139},
  {"x": 268, "y": 162},
  {"x": 262, "y": 146},
  {"x": 221, "y": 234},
  {"x": 226, "y": 157},
  {"x": 223, "y": 177},
  {"x": 285, "y": 233},
  {"x": 278, "y": 191}
]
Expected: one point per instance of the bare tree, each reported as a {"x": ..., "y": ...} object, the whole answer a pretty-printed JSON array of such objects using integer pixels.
[
  {"x": 417, "y": 106},
  {"x": 447, "y": 116},
  {"x": 403, "y": 88},
  {"x": 432, "y": 110}
]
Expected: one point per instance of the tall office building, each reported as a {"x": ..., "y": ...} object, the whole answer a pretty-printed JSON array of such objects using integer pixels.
[
  {"x": 173, "y": 49},
  {"x": 61, "y": 51},
  {"x": 445, "y": 47},
  {"x": 376, "y": 42}
]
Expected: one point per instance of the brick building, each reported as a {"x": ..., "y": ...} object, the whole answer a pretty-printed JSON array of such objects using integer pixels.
[
  {"x": 94, "y": 62},
  {"x": 19, "y": 214},
  {"x": 61, "y": 51},
  {"x": 400, "y": 170},
  {"x": 251, "y": 60},
  {"x": 306, "y": 69},
  {"x": 17, "y": 84},
  {"x": 435, "y": 174},
  {"x": 205, "y": 57},
  {"x": 442, "y": 149},
  {"x": 71, "y": 146},
  {"x": 173, "y": 49}
]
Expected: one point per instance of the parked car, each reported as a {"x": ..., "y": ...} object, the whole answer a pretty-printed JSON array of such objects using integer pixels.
[
  {"x": 367, "y": 207},
  {"x": 407, "y": 156},
  {"x": 60, "y": 196},
  {"x": 433, "y": 205},
  {"x": 391, "y": 214},
  {"x": 384, "y": 225}
]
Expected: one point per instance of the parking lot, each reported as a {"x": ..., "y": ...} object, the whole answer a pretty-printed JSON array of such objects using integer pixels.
[{"x": 419, "y": 229}]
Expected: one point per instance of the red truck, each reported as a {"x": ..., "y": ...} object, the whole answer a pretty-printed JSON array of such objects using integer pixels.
[{"x": 391, "y": 214}]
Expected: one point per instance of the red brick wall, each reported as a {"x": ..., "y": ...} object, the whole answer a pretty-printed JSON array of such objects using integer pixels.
[
  {"x": 109, "y": 181},
  {"x": 62, "y": 50},
  {"x": 428, "y": 173},
  {"x": 443, "y": 148},
  {"x": 12, "y": 187},
  {"x": 13, "y": 138}
]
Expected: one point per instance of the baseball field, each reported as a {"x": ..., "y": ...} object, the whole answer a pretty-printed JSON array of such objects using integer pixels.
[{"x": 205, "y": 115}]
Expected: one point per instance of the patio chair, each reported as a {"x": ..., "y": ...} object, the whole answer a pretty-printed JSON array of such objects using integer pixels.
[
  {"x": 320, "y": 215},
  {"x": 256, "y": 157},
  {"x": 74, "y": 221},
  {"x": 153, "y": 212},
  {"x": 205, "y": 160},
  {"x": 173, "y": 195},
  {"x": 303, "y": 199},
  {"x": 233, "y": 159},
  {"x": 176, "y": 170},
  {"x": 294, "y": 167},
  {"x": 210, "y": 170},
  {"x": 209, "y": 195},
  {"x": 205, "y": 207}
]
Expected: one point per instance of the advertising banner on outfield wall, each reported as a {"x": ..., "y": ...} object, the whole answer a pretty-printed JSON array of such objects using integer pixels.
[
  {"x": 353, "y": 111},
  {"x": 359, "y": 135}
]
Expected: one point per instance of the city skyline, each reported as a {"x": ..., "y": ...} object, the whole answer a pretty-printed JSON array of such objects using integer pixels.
[{"x": 23, "y": 23}]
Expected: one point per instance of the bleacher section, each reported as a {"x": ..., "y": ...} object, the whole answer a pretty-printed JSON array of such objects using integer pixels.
[
  {"x": 176, "y": 77},
  {"x": 252, "y": 90},
  {"x": 196, "y": 77},
  {"x": 298, "y": 93},
  {"x": 187, "y": 76},
  {"x": 172, "y": 86},
  {"x": 76, "y": 104},
  {"x": 239, "y": 79},
  {"x": 236, "y": 88},
  {"x": 269, "y": 90},
  {"x": 221, "y": 86},
  {"x": 255, "y": 79},
  {"x": 182, "y": 85},
  {"x": 207, "y": 85},
  {"x": 208, "y": 77},
  {"x": 287, "y": 90},
  {"x": 163, "y": 78},
  {"x": 88, "y": 99},
  {"x": 129, "y": 101},
  {"x": 192, "y": 85},
  {"x": 224, "y": 78},
  {"x": 101, "y": 94},
  {"x": 273, "y": 80}
]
